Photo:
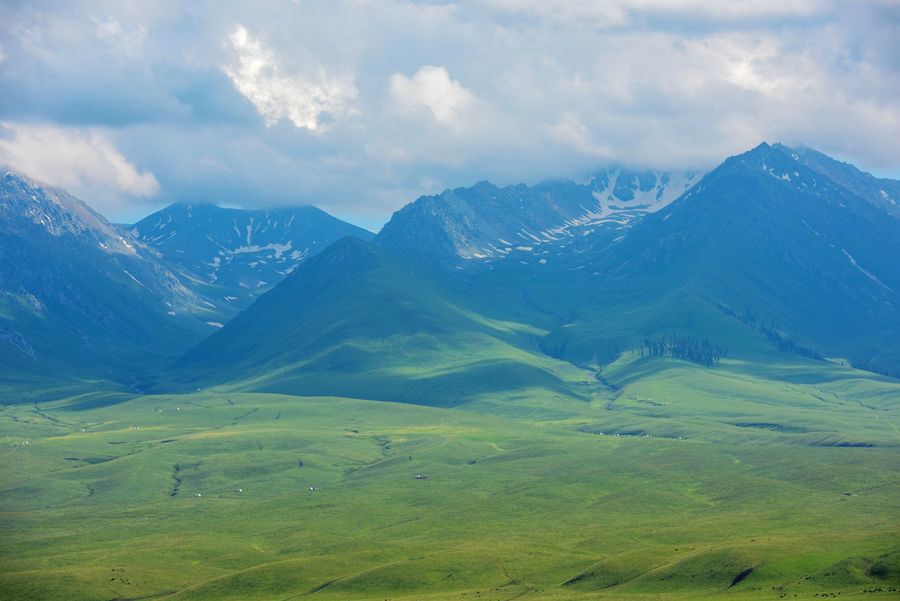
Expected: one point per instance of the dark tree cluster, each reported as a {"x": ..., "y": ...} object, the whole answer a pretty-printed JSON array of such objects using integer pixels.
[
  {"x": 785, "y": 344},
  {"x": 772, "y": 332},
  {"x": 607, "y": 351},
  {"x": 882, "y": 370},
  {"x": 697, "y": 350}
]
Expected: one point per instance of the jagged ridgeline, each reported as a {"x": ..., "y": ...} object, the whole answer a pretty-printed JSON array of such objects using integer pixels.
[{"x": 84, "y": 299}]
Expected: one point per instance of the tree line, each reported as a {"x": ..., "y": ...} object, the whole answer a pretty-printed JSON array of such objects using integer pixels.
[
  {"x": 772, "y": 332},
  {"x": 689, "y": 348}
]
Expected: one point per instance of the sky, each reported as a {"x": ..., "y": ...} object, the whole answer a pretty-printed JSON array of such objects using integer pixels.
[{"x": 361, "y": 106}]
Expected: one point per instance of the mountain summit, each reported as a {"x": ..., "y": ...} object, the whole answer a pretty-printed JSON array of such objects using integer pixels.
[
  {"x": 233, "y": 255},
  {"x": 487, "y": 222}
]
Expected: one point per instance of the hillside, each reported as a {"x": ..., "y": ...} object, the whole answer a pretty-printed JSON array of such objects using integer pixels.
[{"x": 358, "y": 321}]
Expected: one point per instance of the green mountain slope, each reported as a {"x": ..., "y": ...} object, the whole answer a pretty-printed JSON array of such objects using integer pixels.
[
  {"x": 357, "y": 321},
  {"x": 779, "y": 248},
  {"x": 763, "y": 256}
]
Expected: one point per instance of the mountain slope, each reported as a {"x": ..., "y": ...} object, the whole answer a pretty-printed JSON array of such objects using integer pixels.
[
  {"x": 233, "y": 255},
  {"x": 764, "y": 247},
  {"x": 355, "y": 321},
  {"x": 77, "y": 298}
]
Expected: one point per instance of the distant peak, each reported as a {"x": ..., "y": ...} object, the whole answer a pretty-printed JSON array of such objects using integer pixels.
[
  {"x": 185, "y": 204},
  {"x": 345, "y": 251},
  {"x": 351, "y": 243}
]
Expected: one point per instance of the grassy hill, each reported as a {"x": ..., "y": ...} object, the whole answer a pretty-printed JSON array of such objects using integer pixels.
[
  {"x": 355, "y": 321},
  {"x": 674, "y": 482}
]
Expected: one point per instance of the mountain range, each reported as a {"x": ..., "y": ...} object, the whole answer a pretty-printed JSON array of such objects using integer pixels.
[
  {"x": 83, "y": 299},
  {"x": 778, "y": 254}
]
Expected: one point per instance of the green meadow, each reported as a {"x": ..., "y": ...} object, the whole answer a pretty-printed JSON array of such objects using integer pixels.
[{"x": 650, "y": 480}]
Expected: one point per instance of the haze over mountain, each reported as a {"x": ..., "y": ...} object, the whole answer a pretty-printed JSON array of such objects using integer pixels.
[
  {"x": 585, "y": 339},
  {"x": 778, "y": 248}
]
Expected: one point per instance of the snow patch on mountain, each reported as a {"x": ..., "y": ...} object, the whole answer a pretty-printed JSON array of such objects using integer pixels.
[{"x": 868, "y": 274}]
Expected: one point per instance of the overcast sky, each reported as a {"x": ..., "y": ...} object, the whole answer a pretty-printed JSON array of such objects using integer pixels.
[{"x": 360, "y": 106}]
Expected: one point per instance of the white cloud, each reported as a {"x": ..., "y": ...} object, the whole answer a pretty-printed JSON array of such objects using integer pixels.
[
  {"x": 571, "y": 132},
  {"x": 431, "y": 88},
  {"x": 302, "y": 98},
  {"x": 84, "y": 161},
  {"x": 127, "y": 40},
  {"x": 732, "y": 10},
  {"x": 600, "y": 13}
]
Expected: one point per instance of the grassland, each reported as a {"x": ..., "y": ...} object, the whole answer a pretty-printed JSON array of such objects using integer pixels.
[{"x": 671, "y": 482}]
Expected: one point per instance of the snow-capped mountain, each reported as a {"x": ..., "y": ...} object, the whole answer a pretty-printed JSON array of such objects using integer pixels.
[
  {"x": 762, "y": 256},
  {"x": 232, "y": 254},
  {"x": 485, "y": 222}
]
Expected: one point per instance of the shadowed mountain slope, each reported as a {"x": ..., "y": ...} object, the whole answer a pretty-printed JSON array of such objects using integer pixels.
[
  {"x": 357, "y": 321},
  {"x": 77, "y": 299}
]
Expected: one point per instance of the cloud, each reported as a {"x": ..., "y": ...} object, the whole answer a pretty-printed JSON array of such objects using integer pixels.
[
  {"x": 127, "y": 40},
  {"x": 431, "y": 88},
  {"x": 303, "y": 98},
  {"x": 360, "y": 106},
  {"x": 570, "y": 131},
  {"x": 84, "y": 161}
]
